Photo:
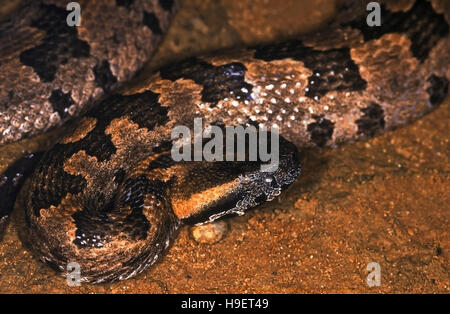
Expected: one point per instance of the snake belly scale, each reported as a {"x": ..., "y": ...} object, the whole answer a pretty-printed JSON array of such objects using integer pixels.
[{"x": 109, "y": 196}]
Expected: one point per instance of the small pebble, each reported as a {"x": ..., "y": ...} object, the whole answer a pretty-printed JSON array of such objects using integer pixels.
[{"x": 209, "y": 233}]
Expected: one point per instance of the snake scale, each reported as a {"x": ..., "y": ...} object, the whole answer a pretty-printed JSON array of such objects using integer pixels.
[{"x": 109, "y": 196}]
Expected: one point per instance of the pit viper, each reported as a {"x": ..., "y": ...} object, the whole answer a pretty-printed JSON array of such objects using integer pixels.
[{"x": 108, "y": 195}]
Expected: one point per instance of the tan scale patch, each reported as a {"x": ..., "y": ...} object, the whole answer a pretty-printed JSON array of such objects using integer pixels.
[
  {"x": 60, "y": 224},
  {"x": 184, "y": 208},
  {"x": 62, "y": 217},
  {"x": 279, "y": 99},
  {"x": 279, "y": 96},
  {"x": 132, "y": 144},
  {"x": 345, "y": 127},
  {"x": 442, "y": 7},
  {"x": 394, "y": 77},
  {"x": 439, "y": 58},
  {"x": 278, "y": 93},
  {"x": 182, "y": 98},
  {"x": 156, "y": 174},
  {"x": 123, "y": 132},
  {"x": 81, "y": 163}
]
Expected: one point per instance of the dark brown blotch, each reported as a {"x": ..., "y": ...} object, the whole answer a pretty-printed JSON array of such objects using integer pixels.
[
  {"x": 104, "y": 78},
  {"x": 61, "y": 102},
  {"x": 152, "y": 22},
  {"x": 94, "y": 225},
  {"x": 50, "y": 183},
  {"x": 321, "y": 131},
  {"x": 167, "y": 4},
  {"x": 333, "y": 70},
  {"x": 371, "y": 121},
  {"x": 219, "y": 82},
  {"x": 438, "y": 89},
  {"x": 60, "y": 43},
  {"x": 124, "y": 3},
  {"x": 423, "y": 26},
  {"x": 11, "y": 181}
]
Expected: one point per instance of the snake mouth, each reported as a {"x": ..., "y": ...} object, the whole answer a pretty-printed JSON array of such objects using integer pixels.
[{"x": 240, "y": 185}]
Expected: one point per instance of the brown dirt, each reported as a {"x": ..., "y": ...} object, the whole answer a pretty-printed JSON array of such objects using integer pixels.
[{"x": 385, "y": 200}]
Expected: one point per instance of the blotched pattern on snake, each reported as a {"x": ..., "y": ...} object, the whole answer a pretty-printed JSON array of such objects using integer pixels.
[{"x": 109, "y": 196}]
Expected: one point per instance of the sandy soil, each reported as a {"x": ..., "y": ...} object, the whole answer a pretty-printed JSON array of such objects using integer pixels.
[{"x": 385, "y": 200}]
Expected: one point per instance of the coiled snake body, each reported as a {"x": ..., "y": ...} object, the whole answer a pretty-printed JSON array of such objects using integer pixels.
[{"x": 109, "y": 196}]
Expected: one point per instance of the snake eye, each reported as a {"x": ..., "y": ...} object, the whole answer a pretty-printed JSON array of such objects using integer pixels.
[{"x": 210, "y": 190}]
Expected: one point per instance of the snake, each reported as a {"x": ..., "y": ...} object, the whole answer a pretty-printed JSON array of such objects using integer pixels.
[{"x": 109, "y": 196}]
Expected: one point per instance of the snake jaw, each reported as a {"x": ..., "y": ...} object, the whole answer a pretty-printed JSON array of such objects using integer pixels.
[{"x": 240, "y": 186}]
